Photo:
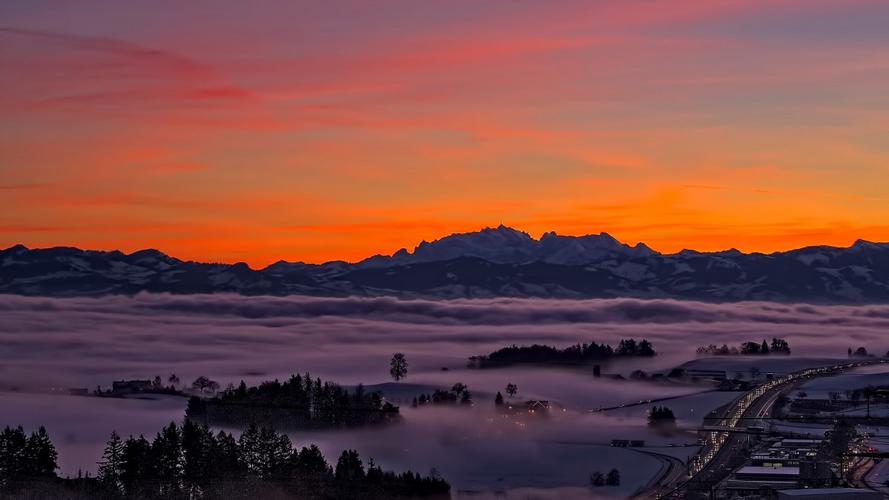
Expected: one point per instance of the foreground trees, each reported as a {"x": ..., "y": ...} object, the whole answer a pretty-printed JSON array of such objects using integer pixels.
[
  {"x": 191, "y": 462},
  {"x": 24, "y": 458}
]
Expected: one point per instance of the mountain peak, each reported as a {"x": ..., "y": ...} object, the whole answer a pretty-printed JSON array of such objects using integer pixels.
[
  {"x": 861, "y": 244},
  {"x": 16, "y": 249}
]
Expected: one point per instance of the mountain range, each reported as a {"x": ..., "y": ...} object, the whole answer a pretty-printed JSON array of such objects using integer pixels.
[{"x": 493, "y": 262}]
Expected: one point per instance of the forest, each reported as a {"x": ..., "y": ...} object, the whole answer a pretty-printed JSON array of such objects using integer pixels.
[
  {"x": 577, "y": 354},
  {"x": 191, "y": 462},
  {"x": 298, "y": 403}
]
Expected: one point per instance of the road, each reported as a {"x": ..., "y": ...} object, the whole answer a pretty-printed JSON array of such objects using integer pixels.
[
  {"x": 648, "y": 401},
  {"x": 672, "y": 471},
  {"x": 723, "y": 451},
  {"x": 877, "y": 478}
]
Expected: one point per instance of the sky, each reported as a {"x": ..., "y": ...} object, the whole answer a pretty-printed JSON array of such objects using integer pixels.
[{"x": 257, "y": 131}]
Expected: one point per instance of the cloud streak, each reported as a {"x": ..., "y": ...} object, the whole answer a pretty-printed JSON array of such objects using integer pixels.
[{"x": 86, "y": 341}]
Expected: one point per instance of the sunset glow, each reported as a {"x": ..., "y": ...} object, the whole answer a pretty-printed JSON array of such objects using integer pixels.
[{"x": 338, "y": 130}]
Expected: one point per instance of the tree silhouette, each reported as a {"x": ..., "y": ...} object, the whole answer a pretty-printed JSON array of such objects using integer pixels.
[
  {"x": 511, "y": 389},
  {"x": 190, "y": 462},
  {"x": 41, "y": 454},
  {"x": 111, "y": 464},
  {"x": 597, "y": 479},
  {"x": 661, "y": 416},
  {"x": 613, "y": 478},
  {"x": 137, "y": 466},
  {"x": 499, "y": 399},
  {"x": 349, "y": 467},
  {"x": 166, "y": 456},
  {"x": 203, "y": 383},
  {"x": 645, "y": 348},
  {"x": 398, "y": 366}
]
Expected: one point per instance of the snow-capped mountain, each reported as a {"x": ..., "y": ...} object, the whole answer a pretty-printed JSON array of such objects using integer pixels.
[
  {"x": 488, "y": 263},
  {"x": 504, "y": 245}
]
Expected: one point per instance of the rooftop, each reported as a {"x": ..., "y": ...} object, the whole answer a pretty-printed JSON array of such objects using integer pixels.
[
  {"x": 820, "y": 491},
  {"x": 778, "y": 471}
]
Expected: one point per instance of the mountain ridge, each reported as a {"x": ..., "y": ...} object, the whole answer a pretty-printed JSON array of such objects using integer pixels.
[{"x": 492, "y": 262}]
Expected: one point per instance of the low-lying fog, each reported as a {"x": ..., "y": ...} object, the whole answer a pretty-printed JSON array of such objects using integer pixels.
[{"x": 48, "y": 344}]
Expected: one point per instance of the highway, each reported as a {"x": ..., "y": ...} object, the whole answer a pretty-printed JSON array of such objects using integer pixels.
[
  {"x": 672, "y": 471},
  {"x": 722, "y": 451}
]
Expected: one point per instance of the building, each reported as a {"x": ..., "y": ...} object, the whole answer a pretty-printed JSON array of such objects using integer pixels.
[
  {"x": 815, "y": 473},
  {"x": 767, "y": 474},
  {"x": 755, "y": 480},
  {"x": 774, "y": 458},
  {"x": 829, "y": 494},
  {"x": 130, "y": 386},
  {"x": 537, "y": 406},
  {"x": 706, "y": 374},
  {"x": 800, "y": 443}
]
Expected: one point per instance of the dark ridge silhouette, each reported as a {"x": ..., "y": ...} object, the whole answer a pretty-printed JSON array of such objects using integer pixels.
[{"x": 498, "y": 262}]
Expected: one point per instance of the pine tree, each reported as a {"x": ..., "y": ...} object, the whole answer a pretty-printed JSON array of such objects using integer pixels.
[
  {"x": 224, "y": 459},
  {"x": 12, "y": 455},
  {"x": 166, "y": 454},
  {"x": 349, "y": 467},
  {"x": 111, "y": 465},
  {"x": 137, "y": 467},
  {"x": 250, "y": 450},
  {"x": 41, "y": 454},
  {"x": 274, "y": 452},
  {"x": 309, "y": 460},
  {"x": 197, "y": 442},
  {"x": 645, "y": 348}
]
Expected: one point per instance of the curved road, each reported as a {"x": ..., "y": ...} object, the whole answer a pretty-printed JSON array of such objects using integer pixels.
[
  {"x": 672, "y": 471},
  {"x": 722, "y": 450}
]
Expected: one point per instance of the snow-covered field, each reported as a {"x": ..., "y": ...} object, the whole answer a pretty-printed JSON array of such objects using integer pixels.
[{"x": 853, "y": 379}]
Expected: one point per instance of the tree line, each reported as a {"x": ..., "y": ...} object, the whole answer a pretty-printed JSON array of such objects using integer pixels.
[
  {"x": 574, "y": 354},
  {"x": 299, "y": 403},
  {"x": 191, "y": 462},
  {"x": 597, "y": 479},
  {"x": 459, "y": 394},
  {"x": 750, "y": 348}
]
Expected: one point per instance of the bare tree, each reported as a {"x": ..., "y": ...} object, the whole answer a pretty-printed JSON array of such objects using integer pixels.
[
  {"x": 203, "y": 383},
  {"x": 511, "y": 389}
]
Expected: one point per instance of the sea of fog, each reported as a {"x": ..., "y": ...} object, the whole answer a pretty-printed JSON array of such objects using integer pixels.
[{"x": 50, "y": 345}]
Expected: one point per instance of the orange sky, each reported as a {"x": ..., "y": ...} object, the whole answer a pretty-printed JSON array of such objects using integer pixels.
[{"x": 336, "y": 130}]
